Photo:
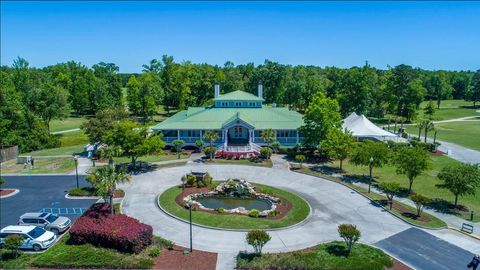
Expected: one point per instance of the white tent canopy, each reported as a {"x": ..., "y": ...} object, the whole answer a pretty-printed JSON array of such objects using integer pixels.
[{"x": 359, "y": 126}]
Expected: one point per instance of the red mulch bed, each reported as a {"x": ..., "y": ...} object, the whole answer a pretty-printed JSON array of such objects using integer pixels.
[
  {"x": 176, "y": 260},
  {"x": 437, "y": 153},
  {"x": 405, "y": 212},
  {"x": 118, "y": 193},
  {"x": 397, "y": 265},
  {"x": 282, "y": 208},
  {"x": 5, "y": 192}
]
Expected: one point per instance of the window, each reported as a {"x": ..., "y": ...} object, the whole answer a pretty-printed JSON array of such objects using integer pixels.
[
  {"x": 30, "y": 221},
  {"x": 36, "y": 232}
]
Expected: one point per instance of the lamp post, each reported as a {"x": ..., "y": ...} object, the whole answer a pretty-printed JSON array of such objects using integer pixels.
[
  {"x": 76, "y": 168},
  {"x": 370, "y": 179},
  {"x": 190, "y": 208}
]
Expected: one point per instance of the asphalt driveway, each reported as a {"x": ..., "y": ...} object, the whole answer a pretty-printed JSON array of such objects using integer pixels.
[
  {"x": 38, "y": 193},
  {"x": 423, "y": 251}
]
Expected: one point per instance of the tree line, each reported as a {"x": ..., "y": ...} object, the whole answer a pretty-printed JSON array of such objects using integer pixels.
[{"x": 31, "y": 97}]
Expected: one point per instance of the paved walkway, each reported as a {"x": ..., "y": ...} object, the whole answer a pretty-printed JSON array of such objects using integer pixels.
[
  {"x": 65, "y": 131},
  {"x": 331, "y": 203}
]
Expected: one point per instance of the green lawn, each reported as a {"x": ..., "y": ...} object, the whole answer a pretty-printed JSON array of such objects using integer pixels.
[
  {"x": 267, "y": 163},
  {"x": 151, "y": 158},
  {"x": 462, "y": 133},
  {"x": 42, "y": 165},
  {"x": 66, "y": 124},
  {"x": 424, "y": 184},
  {"x": 380, "y": 198},
  {"x": 63, "y": 255},
  {"x": 70, "y": 143},
  {"x": 297, "y": 213},
  {"x": 325, "y": 256},
  {"x": 449, "y": 103}
]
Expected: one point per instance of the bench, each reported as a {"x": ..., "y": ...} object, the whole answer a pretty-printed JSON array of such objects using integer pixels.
[{"x": 468, "y": 228}]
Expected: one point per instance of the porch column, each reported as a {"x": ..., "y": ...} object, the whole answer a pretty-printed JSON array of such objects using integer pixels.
[
  {"x": 225, "y": 137},
  {"x": 250, "y": 133},
  {"x": 178, "y": 134},
  {"x": 201, "y": 135},
  {"x": 298, "y": 139}
]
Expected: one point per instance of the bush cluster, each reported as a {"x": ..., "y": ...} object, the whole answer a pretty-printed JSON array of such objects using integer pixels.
[
  {"x": 120, "y": 232},
  {"x": 193, "y": 181},
  {"x": 162, "y": 243},
  {"x": 432, "y": 147},
  {"x": 266, "y": 152},
  {"x": 254, "y": 213}
]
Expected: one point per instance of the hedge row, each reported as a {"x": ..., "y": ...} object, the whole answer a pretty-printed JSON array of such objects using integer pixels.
[{"x": 120, "y": 232}]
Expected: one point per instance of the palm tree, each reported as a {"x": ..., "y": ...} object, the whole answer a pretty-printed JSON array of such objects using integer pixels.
[
  {"x": 428, "y": 127},
  {"x": 109, "y": 152},
  {"x": 105, "y": 180},
  {"x": 420, "y": 125},
  {"x": 268, "y": 135},
  {"x": 211, "y": 136}
]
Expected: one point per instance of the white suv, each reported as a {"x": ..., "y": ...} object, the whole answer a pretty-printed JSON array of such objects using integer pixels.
[{"x": 34, "y": 237}]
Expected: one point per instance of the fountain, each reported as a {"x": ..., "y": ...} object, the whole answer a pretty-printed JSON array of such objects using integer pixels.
[{"x": 235, "y": 196}]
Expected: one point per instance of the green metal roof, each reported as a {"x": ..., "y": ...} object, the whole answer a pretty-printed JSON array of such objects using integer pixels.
[
  {"x": 215, "y": 118},
  {"x": 239, "y": 95}
]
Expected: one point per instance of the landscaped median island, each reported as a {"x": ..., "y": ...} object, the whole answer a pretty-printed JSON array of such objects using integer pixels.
[
  {"x": 399, "y": 209},
  {"x": 325, "y": 256},
  {"x": 234, "y": 204}
]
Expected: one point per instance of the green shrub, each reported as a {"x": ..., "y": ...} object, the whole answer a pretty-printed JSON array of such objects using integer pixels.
[
  {"x": 266, "y": 152},
  {"x": 153, "y": 251},
  {"x": 220, "y": 210},
  {"x": 82, "y": 192},
  {"x": 13, "y": 243},
  {"x": 273, "y": 213},
  {"x": 350, "y": 235},
  {"x": 254, "y": 213},
  {"x": 257, "y": 239},
  {"x": 162, "y": 243},
  {"x": 210, "y": 151}
]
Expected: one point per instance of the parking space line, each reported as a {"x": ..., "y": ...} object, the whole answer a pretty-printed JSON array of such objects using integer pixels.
[{"x": 63, "y": 211}]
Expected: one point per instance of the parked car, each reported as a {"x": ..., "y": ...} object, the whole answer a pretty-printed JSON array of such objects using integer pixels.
[
  {"x": 35, "y": 238},
  {"x": 47, "y": 221}
]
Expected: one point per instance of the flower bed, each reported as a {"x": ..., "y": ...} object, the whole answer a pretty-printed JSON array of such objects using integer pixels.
[{"x": 120, "y": 232}]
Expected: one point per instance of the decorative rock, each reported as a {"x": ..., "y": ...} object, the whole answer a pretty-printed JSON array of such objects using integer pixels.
[{"x": 235, "y": 188}]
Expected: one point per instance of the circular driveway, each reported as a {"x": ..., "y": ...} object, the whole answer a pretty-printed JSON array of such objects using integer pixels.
[{"x": 332, "y": 204}]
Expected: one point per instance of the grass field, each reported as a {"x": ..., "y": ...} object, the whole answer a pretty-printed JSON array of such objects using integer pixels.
[
  {"x": 66, "y": 124},
  {"x": 449, "y": 103},
  {"x": 325, "y": 256},
  {"x": 42, "y": 165},
  {"x": 297, "y": 213},
  {"x": 151, "y": 158},
  {"x": 424, "y": 184},
  {"x": 70, "y": 143},
  {"x": 464, "y": 133}
]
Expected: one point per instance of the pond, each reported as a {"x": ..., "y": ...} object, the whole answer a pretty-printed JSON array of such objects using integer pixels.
[{"x": 229, "y": 203}]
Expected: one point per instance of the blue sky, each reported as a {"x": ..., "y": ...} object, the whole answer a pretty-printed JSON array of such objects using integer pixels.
[{"x": 430, "y": 35}]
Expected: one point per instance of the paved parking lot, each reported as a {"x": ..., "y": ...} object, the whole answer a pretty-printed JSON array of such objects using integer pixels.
[
  {"x": 423, "y": 251},
  {"x": 41, "y": 194}
]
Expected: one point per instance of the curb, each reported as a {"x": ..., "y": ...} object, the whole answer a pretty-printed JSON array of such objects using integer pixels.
[
  {"x": 67, "y": 196},
  {"x": 375, "y": 203},
  {"x": 157, "y": 199},
  {"x": 465, "y": 233},
  {"x": 15, "y": 191}
]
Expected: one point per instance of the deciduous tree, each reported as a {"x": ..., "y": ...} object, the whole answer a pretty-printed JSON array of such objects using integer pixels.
[
  {"x": 257, "y": 239},
  {"x": 322, "y": 114},
  {"x": 411, "y": 161},
  {"x": 350, "y": 235},
  {"x": 338, "y": 145},
  {"x": 461, "y": 179}
]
